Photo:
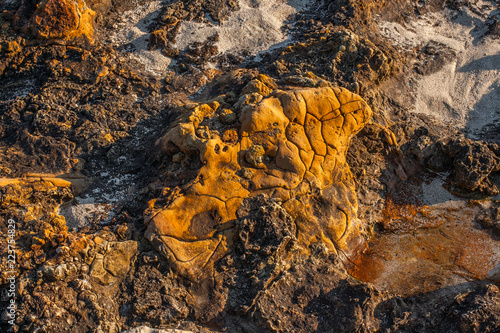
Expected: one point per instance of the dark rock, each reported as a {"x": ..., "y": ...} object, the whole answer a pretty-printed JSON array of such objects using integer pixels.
[
  {"x": 317, "y": 296},
  {"x": 266, "y": 235},
  {"x": 472, "y": 165},
  {"x": 433, "y": 57}
]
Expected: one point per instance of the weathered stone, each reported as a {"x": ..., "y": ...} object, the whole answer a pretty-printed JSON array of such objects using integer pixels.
[
  {"x": 473, "y": 163},
  {"x": 227, "y": 117},
  {"x": 294, "y": 142},
  {"x": 62, "y": 19},
  {"x": 113, "y": 261}
]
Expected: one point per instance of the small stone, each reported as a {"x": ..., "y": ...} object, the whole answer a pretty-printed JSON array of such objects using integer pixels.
[
  {"x": 227, "y": 117},
  {"x": 246, "y": 173},
  {"x": 230, "y": 135},
  {"x": 203, "y": 132},
  {"x": 255, "y": 156},
  {"x": 256, "y": 86},
  {"x": 177, "y": 158},
  {"x": 54, "y": 273}
]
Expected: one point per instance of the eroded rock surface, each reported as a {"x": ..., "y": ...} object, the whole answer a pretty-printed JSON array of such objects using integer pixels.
[
  {"x": 472, "y": 165},
  {"x": 288, "y": 144},
  {"x": 59, "y": 19}
]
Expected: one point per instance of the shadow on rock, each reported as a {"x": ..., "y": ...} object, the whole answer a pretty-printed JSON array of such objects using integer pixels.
[{"x": 468, "y": 307}]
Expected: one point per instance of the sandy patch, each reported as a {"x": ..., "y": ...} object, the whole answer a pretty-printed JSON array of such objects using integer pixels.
[
  {"x": 81, "y": 215},
  {"x": 466, "y": 91},
  {"x": 131, "y": 33},
  {"x": 256, "y": 27}
]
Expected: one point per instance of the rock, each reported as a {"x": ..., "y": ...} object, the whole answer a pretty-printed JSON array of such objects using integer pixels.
[
  {"x": 265, "y": 237},
  {"x": 295, "y": 144},
  {"x": 265, "y": 227},
  {"x": 255, "y": 156},
  {"x": 113, "y": 261},
  {"x": 317, "y": 296},
  {"x": 494, "y": 274},
  {"x": 470, "y": 163},
  {"x": 54, "y": 273},
  {"x": 473, "y": 163},
  {"x": 435, "y": 56},
  {"x": 62, "y": 19},
  {"x": 227, "y": 117},
  {"x": 262, "y": 85}
]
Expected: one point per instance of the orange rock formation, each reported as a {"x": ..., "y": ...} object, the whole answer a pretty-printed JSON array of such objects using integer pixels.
[
  {"x": 289, "y": 145},
  {"x": 62, "y": 19}
]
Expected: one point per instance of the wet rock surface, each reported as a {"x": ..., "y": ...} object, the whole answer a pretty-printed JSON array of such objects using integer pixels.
[{"x": 385, "y": 221}]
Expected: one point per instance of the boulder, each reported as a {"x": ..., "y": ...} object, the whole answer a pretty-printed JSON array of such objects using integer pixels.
[
  {"x": 62, "y": 19},
  {"x": 291, "y": 146}
]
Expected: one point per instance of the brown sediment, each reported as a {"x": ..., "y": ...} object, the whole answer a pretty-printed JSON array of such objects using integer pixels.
[{"x": 423, "y": 248}]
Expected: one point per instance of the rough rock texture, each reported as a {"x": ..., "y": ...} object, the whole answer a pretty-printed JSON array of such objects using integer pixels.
[
  {"x": 76, "y": 101},
  {"x": 265, "y": 238},
  {"x": 342, "y": 56},
  {"x": 112, "y": 262},
  {"x": 472, "y": 164},
  {"x": 466, "y": 309},
  {"x": 28, "y": 200},
  {"x": 168, "y": 23},
  {"x": 59, "y": 19},
  {"x": 62, "y": 19},
  {"x": 76, "y": 112},
  {"x": 290, "y": 145},
  {"x": 324, "y": 299}
]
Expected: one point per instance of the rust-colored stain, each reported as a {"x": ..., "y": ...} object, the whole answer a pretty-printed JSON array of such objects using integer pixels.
[{"x": 424, "y": 248}]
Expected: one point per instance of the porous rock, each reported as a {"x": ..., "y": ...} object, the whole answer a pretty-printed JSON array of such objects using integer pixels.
[
  {"x": 291, "y": 146},
  {"x": 62, "y": 19}
]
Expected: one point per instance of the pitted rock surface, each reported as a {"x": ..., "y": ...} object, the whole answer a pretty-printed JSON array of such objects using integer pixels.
[
  {"x": 62, "y": 19},
  {"x": 291, "y": 145}
]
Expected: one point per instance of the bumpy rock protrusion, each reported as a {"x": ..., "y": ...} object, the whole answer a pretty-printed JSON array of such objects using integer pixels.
[
  {"x": 291, "y": 146},
  {"x": 62, "y": 19}
]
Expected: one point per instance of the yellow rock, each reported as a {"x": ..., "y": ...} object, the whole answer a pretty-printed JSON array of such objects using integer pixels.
[
  {"x": 291, "y": 146},
  {"x": 62, "y": 19}
]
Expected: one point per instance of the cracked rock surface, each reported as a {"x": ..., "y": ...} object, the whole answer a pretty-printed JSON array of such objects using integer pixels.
[
  {"x": 168, "y": 170},
  {"x": 288, "y": 144}
]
